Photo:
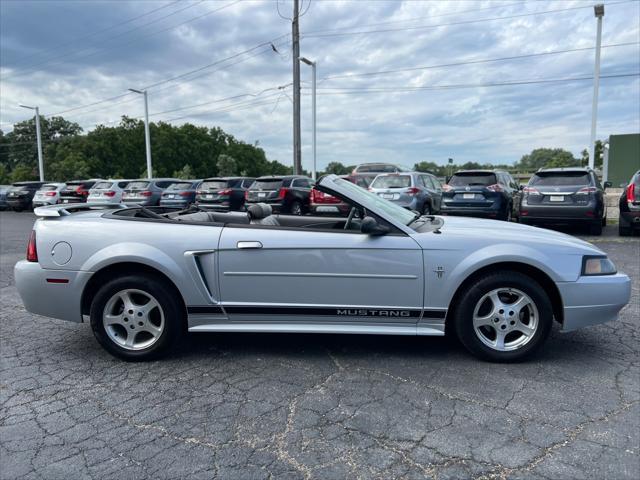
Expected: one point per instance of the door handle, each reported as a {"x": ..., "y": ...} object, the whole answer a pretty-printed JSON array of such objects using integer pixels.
[{"x": 249, "y": 244}]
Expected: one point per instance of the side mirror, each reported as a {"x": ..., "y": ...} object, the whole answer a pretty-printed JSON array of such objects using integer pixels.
[
  {"x": 607, "y": 185},
  {"x": 370, "y": 226}
]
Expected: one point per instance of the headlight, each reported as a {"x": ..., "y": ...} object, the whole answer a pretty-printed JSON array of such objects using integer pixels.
[{"x": 592, "y": 265}]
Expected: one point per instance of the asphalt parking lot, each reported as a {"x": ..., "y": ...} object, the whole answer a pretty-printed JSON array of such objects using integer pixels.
[{"x": 322, "y": 407}]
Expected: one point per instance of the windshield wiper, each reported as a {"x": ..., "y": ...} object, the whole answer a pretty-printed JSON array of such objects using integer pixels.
[{"x": 416, "y": 216}]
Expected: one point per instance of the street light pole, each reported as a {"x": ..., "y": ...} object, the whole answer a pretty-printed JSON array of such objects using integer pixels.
[
  {"x": 598, "y": 11},
  {"x": 147, "y": 134},
  {"x": 38, "y": 140},
  {"x": 313, "y": 111}
]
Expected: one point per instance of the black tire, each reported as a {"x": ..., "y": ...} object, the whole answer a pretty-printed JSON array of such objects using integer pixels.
[
  {"x": 595, "y": 228},
  {"x": 426, "y": 209},
  {"x": 463, "y": 315},
  {"x": 295, "y": 208},
  {"x": 507, "y": 214},
  {"x": 171, "y": 307},
  {"x": 624, "y": 231}
]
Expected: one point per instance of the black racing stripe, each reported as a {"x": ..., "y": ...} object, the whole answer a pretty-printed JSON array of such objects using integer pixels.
[
  {"x": 441, "y": 314},
  {"x": 206, "y": 309}
]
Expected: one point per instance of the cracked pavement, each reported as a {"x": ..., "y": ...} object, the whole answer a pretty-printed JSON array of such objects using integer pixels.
[{"x": 288, "y": 406}]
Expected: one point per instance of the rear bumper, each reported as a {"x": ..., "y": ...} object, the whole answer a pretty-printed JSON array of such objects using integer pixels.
[
  {"x": 329, "y": 208},
  {"x": 490, "y": 211},
  {"x": 19, "y": 202},
  {"x": 558, "y": 213},
  {"x": 56, "y": 300},
  {"x": 593, "y": 300},
  {"x": 175, "y": 203},
  {"x": 630, "y": 218},
  {"x": 223, "y": 206}
]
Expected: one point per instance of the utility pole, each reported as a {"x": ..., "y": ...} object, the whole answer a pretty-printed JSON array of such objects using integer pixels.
[
  {"x": 295, "y": 34},
  {"x": 147, "y": 134},
  {"x": 38, "y": 140},
  {"x": 598, "y": 11},
  {"x": 313, "y": 111}
]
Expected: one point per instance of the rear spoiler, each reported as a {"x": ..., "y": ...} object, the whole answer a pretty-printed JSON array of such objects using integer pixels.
[{"x": 67, "y": 208}]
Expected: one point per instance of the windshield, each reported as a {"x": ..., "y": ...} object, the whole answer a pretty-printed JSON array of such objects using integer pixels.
[
  {"x": 470, "y": 179},
  {"x": 376, "y": 167},
  {"x": 137, "y": 185},
  {"x": 101, "y": 185},
  {"x": 391, "y": 181},
  {"x": 368, "y": 199},
  {"x": 213, "y": 185},
  {"x": 180, "y": 186},
  {"x": 559, "y": 178},
  {"x": 266, "y": 185}
]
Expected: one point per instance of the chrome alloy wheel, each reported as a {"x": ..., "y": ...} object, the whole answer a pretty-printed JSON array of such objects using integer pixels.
[
  {"x": 505, "y": 319},
  {"x": 133, "y": 319}
]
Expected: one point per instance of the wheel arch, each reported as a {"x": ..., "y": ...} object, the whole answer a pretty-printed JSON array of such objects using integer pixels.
[
  {"x": 115, "y": 270},
  {"x": 535, "y": 273}
]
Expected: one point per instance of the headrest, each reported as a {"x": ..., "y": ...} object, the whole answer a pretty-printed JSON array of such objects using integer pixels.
[{"x": 259, "y": 210}]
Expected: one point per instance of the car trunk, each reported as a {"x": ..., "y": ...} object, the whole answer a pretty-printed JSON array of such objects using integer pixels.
[
  {"x": 74, "y": 192},
  {"x": 559, "y": 188},
  {"x": 102, "y": 190},
  {"x": 137, "y": 192},
  {"x": 179, "y": 191},
  {"x": 46, "y": 193},
  {"x": 396, "y": 188},
  {"x": 477, "y": 189},
  {"x": 264, "y": 190}
]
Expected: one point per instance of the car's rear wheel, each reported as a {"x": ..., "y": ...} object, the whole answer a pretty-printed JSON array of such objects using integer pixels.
[
  {"x": 136, "y": 317},
  {"x": 426, "y": 209},
  {"x": 595, "y": 228},
  {"x": 503, "y": 317},
  {"x": 624, "y": 231},
  {"x": 506, "y": 215},
  {"x": 296, "y": 208}
]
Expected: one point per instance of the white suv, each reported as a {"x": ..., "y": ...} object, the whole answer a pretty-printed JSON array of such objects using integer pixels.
[
  {"x": 107, "y": 191},
  {"x": 48, "y": 194}
]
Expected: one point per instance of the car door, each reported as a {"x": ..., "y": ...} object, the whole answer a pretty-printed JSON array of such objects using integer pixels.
[{"x": 319, "y": 276}]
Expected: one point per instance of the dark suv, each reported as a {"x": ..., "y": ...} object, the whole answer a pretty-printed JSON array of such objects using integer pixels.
[
  {"x": 223, "y": 193},
  {"x": 20, "y": 195},
  {"x": 287, "y": 194},
  {"x": 630, "y": 207},
  {"x": 77, "y": 191},
  {"x": 180, "y": 194},
  {"x": 564, "y": 196},
  {"x": 481, "y": 193}
]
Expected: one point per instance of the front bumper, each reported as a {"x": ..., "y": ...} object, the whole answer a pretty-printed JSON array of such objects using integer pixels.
[
  {"x": 56, "y": 300},
  {"x": 593, "y": 300}
]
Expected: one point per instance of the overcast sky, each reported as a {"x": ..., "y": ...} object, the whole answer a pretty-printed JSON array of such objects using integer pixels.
[{"x": 66, "y": 54}]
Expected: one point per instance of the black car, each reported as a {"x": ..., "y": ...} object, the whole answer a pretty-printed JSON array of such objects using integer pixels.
[
  {"x": 180, "y": 194},
  {"x": 564, "y": 196},
  {"x": 630, "y": 207},
  {"x": 77, "y": 191},
  {"x": 288, "y": 194},
  {"x": 481, "y": 193},
  {"x": 223, "y": 193},
  {"x": 20, "y": 195}
]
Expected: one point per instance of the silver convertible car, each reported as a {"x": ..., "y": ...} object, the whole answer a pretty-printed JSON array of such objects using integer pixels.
[{"x": 144, "y": 276}]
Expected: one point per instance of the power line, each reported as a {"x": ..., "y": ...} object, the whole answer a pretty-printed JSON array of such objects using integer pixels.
[
  {"x": 319, "y": 34},
  {"x": 98, "y": 32},
  {"x": 393, "y": 89},
  {"x": 472, "y": 62}
]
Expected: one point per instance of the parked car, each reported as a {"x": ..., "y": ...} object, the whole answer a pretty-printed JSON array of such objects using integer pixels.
[
  {"x": 362, "y": 179},
  {"x": 20, "y": 195},
  {"x": 48, "y": 194},
  {"x": 77, "y": 191},
  {"x": 142, "y": 283},
  {"x": 481, "y": 193},
  {"x": 180, "y": 194},
  {"x": 223, "y": 193},
  {"x": 286, "y": 194},
  {"x": 564, "y": 196},
  {"x": 146, "y": 192},
  {"x": 379, "y": 168},
  {"x": 108, "y": 191},
  {"x": 4, "y": 189},
  {"x": 417, "y": 191},
  {"x": 630, "y": 207}
]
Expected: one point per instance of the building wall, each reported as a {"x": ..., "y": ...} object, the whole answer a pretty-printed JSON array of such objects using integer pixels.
[{"x": 624, "y": 158}]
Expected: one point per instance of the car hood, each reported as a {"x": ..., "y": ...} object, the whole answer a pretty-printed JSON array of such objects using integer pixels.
[{"x": 496, "y": 231}]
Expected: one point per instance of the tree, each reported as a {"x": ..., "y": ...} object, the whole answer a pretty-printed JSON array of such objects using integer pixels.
[
  {"x": 227, "y": 165},
  {"x": 431, "y": 167},
  {"x": 71, "y": 166},
  {"x": 546, "y": 158},
  {"x": 337, "y": 168},
  {"x": 599, "y": 155},
  {"x": 185, "y": 173}
]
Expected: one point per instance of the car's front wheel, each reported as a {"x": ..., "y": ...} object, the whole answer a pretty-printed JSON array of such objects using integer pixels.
[
  {"x": 136, "y": 317},
  {"x": 503, "y": 317}
]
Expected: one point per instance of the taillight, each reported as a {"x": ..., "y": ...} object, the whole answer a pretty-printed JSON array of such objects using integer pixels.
[
  {"x": 32, "y": 251},
  {"x": 146, "y": 193},
  {"x": 316, "y": 195},
  {"x": 109, "y": 193},
  {"x": 246, "y": 194},
  {"x": 81, "y": 191},
  {"x": 446, "y": 187},
  {"x": 631, "y": 193},
  {"x": 496, "y": 187},
  {"x": 413, "y": 191},
  {"x": 531, "y": 191},
  {"x": 587, "y": 190},
  {"x": 185, "y": 194},
  {"x": 226, "y": 191},
  {"x": 282, "y": 193},
  {"x": 50, "y": 194}
]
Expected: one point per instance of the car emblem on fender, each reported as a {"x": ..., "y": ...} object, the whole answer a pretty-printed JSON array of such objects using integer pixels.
[{"x": 439, "y": 271}]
